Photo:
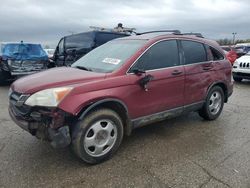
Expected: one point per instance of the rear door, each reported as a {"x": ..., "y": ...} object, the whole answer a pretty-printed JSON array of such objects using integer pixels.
[
  {"x": 166, "y": 90},
  {"x": 198, "y": 71}
]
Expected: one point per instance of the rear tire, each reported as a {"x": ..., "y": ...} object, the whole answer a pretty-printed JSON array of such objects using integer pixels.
[
  {"x": 214, "y": 104},
  {"x": 99, "y": 136},
  {"x": 237, "y": 79}
]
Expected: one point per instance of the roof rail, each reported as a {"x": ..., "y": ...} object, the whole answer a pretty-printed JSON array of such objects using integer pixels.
[
  {"x": 195, "y": 34},
  {"x": 176, "y": 32}
]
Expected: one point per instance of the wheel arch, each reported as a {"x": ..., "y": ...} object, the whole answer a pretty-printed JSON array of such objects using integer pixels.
[
  {"x": 224, "y": 88},
  {"x": 110, "y": 103}
]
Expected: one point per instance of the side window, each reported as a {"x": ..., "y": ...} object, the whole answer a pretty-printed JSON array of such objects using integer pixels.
[
  {"x": 194, "y": 52},
  {"x": 216, "y": 55},
  {"x": 161, "y": 55},
  {"x": 79, "y": 41}
]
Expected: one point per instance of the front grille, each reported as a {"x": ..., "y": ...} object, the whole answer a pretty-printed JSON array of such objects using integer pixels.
[
  {"x": 16, "y": 104},
  {"x": 15, "y": 96},
  {"x": 245, "y": 65},
  {"x": 36, "y": 64},
  {"x": 27, "y": 65}
]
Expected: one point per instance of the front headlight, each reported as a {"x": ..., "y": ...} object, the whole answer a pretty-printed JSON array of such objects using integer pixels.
[{"x": 48, "y": 97}]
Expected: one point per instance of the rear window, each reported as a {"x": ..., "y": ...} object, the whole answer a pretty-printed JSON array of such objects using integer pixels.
[
  {"x": 194, "y": 52},
  {"x": 23, "y": 49},
  {"x": 216, "y": 55}
]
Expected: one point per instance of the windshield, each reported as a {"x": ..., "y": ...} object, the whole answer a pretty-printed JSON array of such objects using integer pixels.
[
  {"x": 110, "y": 56},
  {"x": 23, "y": 49}
]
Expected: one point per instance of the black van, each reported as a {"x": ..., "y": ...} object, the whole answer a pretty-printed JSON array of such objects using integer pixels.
[{"x": 71, "y": 48}]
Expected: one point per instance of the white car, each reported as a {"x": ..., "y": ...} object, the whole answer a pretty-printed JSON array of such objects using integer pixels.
[{"x": 241, "y": 68}]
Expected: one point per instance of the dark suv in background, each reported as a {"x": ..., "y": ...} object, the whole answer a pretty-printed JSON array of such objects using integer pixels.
[
  {"x": 124, "y": 84},
  {"x": 71, "y": 48}
]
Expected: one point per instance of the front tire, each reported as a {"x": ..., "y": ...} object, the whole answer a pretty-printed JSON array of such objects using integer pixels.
[
  {"x": 99, "y": 136},
  {"x": 213, "y": 105}
]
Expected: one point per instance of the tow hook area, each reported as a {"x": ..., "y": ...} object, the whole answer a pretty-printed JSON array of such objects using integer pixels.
[{"x": 60, "y": 138}]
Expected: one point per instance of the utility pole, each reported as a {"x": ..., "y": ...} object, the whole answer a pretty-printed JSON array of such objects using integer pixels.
[{"x": 234, "y": 33}]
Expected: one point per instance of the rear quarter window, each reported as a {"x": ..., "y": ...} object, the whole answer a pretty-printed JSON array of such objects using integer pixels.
[
  {"x": 215, "y": 54},
  {"x": 194, "y": 52}
]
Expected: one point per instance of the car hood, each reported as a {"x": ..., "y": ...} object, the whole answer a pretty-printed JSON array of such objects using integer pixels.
[
  {"x": 244, "y": 58},
  {"x": 56, "y": 77}
]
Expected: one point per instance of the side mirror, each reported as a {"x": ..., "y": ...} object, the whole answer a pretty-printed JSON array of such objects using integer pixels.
[
  {"x": 138, "y": 71},
  {"x": 145, "y": 80}
]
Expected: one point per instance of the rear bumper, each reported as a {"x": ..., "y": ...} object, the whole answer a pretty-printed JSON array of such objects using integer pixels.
[{"x": 20, "y": 71}]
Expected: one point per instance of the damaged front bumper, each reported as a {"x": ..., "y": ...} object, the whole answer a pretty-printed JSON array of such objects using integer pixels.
[
  {"x": 46, "y": 124},
  {"x": 22, "y": 68}
]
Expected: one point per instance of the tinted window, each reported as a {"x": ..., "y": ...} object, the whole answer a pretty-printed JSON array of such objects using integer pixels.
[
  {"x": 194, "y": 52},
  {"x": 161, "y": 55},
  {"x": 216, "y": 55},
  {"x": 78, "y": 41},
  {"x": 102, "y": 38}
]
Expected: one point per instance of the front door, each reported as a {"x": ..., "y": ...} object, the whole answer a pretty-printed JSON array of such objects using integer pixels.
[
  {"x": 60, "y": 54},
  {"x": 166, "y": 90}
]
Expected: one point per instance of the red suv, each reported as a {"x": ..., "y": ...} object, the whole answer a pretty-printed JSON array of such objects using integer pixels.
[{"x": 124, "y": 84}]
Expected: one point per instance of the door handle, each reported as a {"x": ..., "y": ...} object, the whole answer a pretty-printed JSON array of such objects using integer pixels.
[
  {"x": 176, "y": 72},
  {"x": 207, "y": 67}
]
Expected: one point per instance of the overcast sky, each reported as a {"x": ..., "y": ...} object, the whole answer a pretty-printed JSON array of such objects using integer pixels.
[{"x": 46, "y": 21}]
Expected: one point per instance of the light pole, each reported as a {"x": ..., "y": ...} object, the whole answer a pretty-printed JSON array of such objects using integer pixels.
[{"x": 234, "y": 33}]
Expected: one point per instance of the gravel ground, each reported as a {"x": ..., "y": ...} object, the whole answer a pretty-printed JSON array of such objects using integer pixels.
[{"x": 183, "y": 152}]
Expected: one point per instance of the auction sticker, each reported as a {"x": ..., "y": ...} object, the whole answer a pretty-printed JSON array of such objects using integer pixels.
[{"x": 112, "y": 61}]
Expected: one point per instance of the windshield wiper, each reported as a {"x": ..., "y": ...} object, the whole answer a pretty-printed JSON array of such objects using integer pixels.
[{"x": 83, "y": 68}]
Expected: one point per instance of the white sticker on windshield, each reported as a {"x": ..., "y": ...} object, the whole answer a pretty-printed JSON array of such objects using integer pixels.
[{"x": 111, "y": 61}]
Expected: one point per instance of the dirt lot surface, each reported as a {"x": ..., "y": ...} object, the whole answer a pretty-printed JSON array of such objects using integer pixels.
[{"x": 182, "y": 152}]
